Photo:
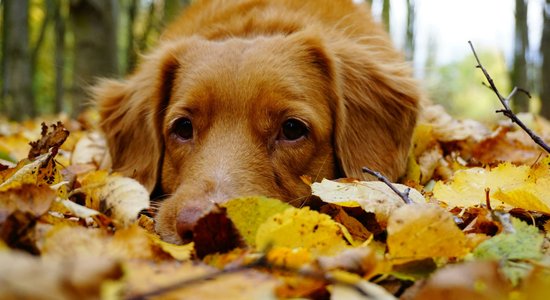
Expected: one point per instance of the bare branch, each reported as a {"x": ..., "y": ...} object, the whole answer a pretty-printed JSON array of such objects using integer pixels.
[
  {"x": 505, "y": 101},
  {"x": 404, "y": 195}
]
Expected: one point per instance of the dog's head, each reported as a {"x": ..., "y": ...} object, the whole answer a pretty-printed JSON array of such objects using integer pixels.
[{"x": 206, "y": 121}]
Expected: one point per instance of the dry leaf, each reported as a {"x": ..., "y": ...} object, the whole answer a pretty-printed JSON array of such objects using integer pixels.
[
  {"x": 27, "y": 277},
  {"x": 302, "y": 228},
  {"x": 372, "y": 196},
  {"x": 510, "y": 186},
  {"x": 119, "y": 197},
  {"x": 420, "y": 231}
]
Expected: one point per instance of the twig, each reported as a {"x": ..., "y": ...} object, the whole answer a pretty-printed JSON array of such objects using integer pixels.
[
  {"x": 507, "y": 111},
  {"x": 261, "y": 262},
  {"x": 404, "y": 195}
]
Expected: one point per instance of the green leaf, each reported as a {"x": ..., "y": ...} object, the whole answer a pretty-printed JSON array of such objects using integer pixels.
[
  {"x": 248, "y": 213},
  {"x": 524, "y": 243}
]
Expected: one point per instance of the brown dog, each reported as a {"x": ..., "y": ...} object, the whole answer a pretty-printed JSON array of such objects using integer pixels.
[{"x": 242, "y": 97}]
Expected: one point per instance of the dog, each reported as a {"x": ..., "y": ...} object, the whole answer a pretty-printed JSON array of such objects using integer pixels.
[{"x": 244, "y": 97}]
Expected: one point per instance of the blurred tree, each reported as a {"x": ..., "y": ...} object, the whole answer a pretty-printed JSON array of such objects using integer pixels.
[
  {"x": 519, "y": 76},
  {"x": 95, "y": 28},
  {"x": 386, "y": 13},
  {"x": 17, "y": 77},
  {"x": 545, "y": 72},
  {"x": 409, "y": 39},
  {"x": 131, "y": 51},
  {"x": 59, "y": 27},
  {"x": 173, "y": 7}
]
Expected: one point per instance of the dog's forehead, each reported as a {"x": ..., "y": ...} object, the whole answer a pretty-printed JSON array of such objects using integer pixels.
[{"x": 241, "y": 70}]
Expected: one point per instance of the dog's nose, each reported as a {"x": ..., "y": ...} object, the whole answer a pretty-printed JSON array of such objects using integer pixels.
[{"x": 188, "y": 217}]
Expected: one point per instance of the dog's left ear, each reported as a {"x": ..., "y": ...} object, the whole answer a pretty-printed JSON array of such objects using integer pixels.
[
  {"x": 131, "y": 114},
  {"x": 377, "y": 109}
]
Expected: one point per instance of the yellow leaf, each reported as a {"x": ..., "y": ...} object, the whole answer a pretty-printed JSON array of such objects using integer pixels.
[
  {"x": 292, "y": 258},
  {"x": 372, "y": 196},
  {"x": 248, "y": 213},
  {"x": 510, "y": 186},
  {"x": 302, "y": 228},
  {"x": 179, "y": 252},
  {"x": 420, "y": 231},
  {"x": 43, "y": 170}
]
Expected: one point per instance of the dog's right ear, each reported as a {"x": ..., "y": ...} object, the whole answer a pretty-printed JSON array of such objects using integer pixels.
[{"x": 131, "y": 113}]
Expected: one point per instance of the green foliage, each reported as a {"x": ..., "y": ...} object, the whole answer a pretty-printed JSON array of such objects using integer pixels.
[{"x": 457, "y": 86}]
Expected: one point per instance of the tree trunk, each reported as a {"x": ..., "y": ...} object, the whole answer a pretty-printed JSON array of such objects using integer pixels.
[
  {"x": 386, "y": 13},
  {"x": 17, "y": 77},
  {"x": 173, "y": 7},
  {"x": 95, "y": 45},
  {"x": 131, "y": 51},
  {"x": 59, "y": 26},
  {"x": 545, "y": 72},
  {"x": 409, "y": 39},
  {"x": 521, "y": 44}
]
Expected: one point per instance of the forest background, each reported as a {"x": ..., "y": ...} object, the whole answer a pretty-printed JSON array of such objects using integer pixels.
[{"x": 53, "y": 50}]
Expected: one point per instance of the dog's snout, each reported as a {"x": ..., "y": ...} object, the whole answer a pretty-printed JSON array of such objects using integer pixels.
[{"x": 189, "y": 215}]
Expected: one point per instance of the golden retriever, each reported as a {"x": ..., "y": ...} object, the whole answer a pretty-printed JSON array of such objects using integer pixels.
[{"x": 243, "y": 97}]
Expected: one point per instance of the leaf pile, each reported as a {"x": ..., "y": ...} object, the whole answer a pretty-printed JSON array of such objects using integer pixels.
[{"x": 477, "y": 228}]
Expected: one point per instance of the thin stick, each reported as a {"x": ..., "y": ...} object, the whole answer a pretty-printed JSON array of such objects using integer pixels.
[
  {"x": 404, "y": 195},
  {"x": 507, "y": 111},
  {"x": 260, "y": 263}
]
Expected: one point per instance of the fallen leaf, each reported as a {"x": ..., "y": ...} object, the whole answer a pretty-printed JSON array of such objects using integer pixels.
[
  {"x": 27, "y": 198},
  {"x": 524, "y": 243},
  {"x": 480, "y": 280},
  {"x": 27, "y": 277},
  {"x": 215, "y": 233},
  {"x": 121, "y": 198},
  {"x": 510, "y": 186},
  {"x": 372, "y": 196},
  {"x": 421, "y": 231},
  {"x": 302, "y": 228},
  {"x": 90, "y": 149},
  {"x": 248, "y": 213},
  {"x": 50, "y": 140},
  {"x": 183, "y": 281},
  {"x": 43, "y": 170}
]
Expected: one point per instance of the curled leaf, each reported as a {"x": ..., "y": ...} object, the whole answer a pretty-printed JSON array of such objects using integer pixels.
[{"x": 372, "y": 196}]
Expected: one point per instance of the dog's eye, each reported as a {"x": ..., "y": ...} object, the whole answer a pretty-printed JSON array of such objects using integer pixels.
[
  {"x": 292, "y": 130},
  {"x": 183, "y": 129}
]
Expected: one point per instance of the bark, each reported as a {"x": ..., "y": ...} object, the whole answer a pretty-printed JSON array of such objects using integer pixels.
[
  {"x": 545, "y": 72},
  {"x": 59, "y": 27},
  {"x": 95, "y": 29},
  {"x": 409, "y": 39},
  {"x": 521, "y": 43},
  {"x": 17, "y": 77}
]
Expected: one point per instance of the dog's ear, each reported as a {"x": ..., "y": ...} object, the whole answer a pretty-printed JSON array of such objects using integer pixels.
[
  {"x": 377, "y": 109},
  {"x": 131, "y": 113}
]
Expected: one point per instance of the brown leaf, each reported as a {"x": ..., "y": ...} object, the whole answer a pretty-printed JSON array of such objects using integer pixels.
[
  {"x": 26, "y": 277},
  {"x": 339, "y": 214},
  {"x": 476, "y": 280},
  {"x": 215, "y": 233},
  {"x": 27, "y": 198},
  {"x": 53, "y": 139}
]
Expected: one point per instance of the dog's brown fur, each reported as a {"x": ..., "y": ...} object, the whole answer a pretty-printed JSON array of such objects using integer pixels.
[{"x": 238, "y": 69}]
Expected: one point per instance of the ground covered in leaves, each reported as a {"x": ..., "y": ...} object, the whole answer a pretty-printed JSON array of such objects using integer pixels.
[{"x": 477, "y": 226}]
